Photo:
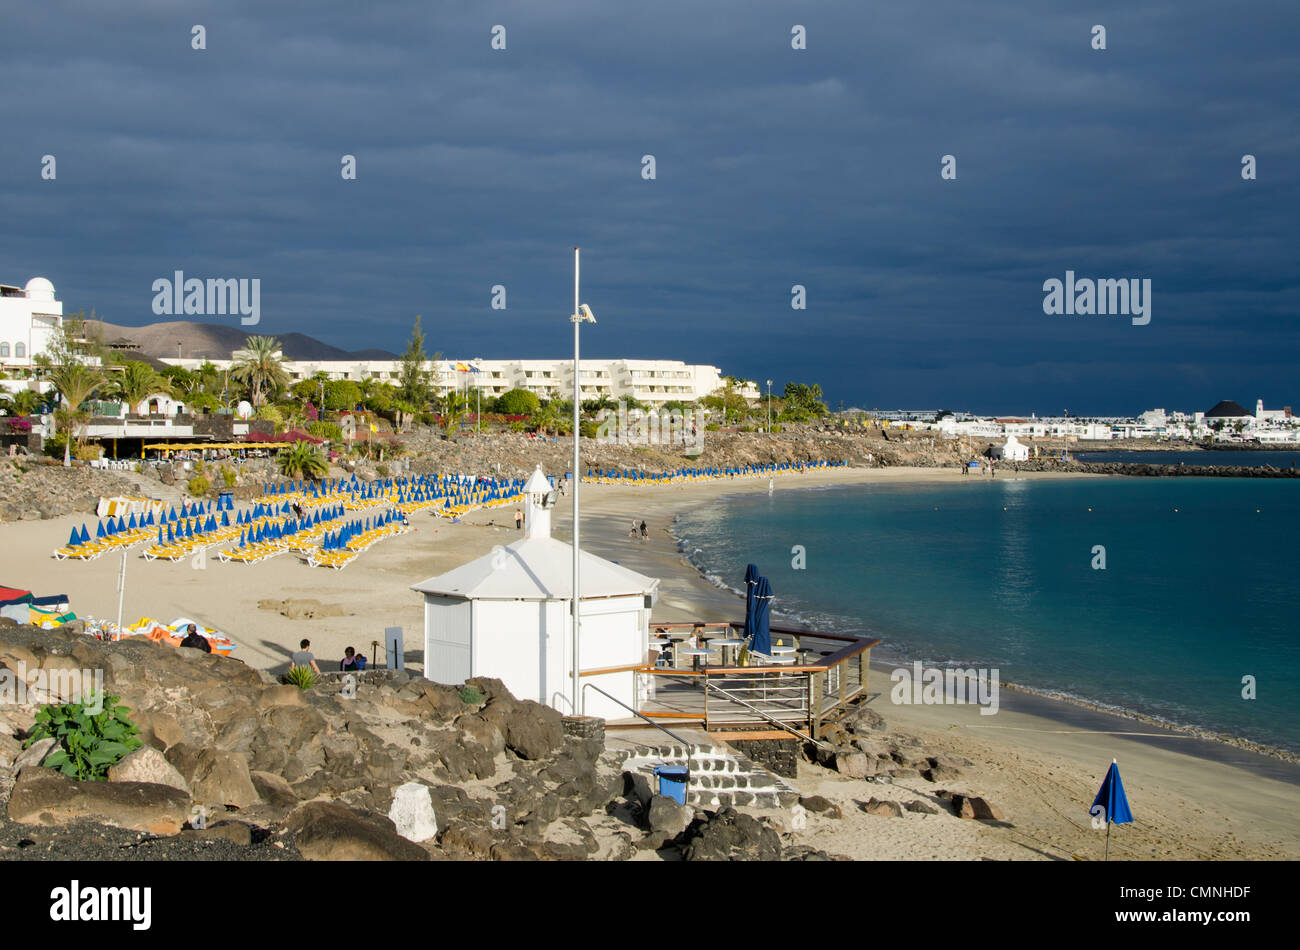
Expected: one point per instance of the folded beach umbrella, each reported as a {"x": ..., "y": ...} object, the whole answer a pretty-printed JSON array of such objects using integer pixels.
[
  {"x": 751, "y": 579},
  {"x": 131, "y": 524},
  {"x": 121, "y": 524},
  {"x": 762, "y": 616},
  {"x": 160, "y": 536},
  {"x": 171, "y": 535},
  {"x": 1111, "y": 804},
  {"x": 74, "y": 539},
  {"x": 85, "y": 535},
  {"x": 225, "y": 519}
]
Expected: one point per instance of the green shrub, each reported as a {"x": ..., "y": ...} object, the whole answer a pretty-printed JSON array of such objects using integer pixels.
[
  {"x": 471, "y": 696},
  {"x": 518, "y": 426},
  {"x": 325, "y": 430},
  {"x": 382, "y": 472},
  {"x": 198, "y": 486},
  {"x": 304, "y": 677},
  {"x": 53, "y": 446},
  {"x": 229, "y": 476},
  {"x": 87, "y": 743}
]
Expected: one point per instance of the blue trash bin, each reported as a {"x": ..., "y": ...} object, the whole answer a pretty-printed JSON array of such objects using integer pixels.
[{"x": 672, "y": 781}]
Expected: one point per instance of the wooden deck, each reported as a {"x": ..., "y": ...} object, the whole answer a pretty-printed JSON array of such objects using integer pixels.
[{"x": 828, "y": 676}]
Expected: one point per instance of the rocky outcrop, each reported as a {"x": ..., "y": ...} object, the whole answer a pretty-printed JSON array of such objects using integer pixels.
[
  {"x": 36, "y": 488},
  {"x": 222, "y": 736},
  {"x": 326, "y": 831},
  {"x": 44, "y": 796}
]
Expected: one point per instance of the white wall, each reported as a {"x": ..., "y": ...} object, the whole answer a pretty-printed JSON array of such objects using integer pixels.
[
  {"x": 526, "y": 644},
  {"x": 447, "y": 640}
]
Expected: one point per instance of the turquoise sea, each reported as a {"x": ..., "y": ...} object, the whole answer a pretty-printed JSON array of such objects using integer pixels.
[{"x": 1199, "y": 587}]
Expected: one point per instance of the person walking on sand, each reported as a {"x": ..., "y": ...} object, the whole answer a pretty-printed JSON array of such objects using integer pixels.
[
  {"x": 633, "y": 531},
  {"x": 645, "y": 533},
  {"x": 519, "y": 520}
]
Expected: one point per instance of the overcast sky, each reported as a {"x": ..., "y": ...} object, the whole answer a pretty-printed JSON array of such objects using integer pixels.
[{"x": 774, "y": 166}]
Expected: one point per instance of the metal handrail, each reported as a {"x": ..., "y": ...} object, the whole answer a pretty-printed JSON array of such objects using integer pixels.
[
  {"x": 786, "y": 726},
  {"x": 672, "y": 735}
]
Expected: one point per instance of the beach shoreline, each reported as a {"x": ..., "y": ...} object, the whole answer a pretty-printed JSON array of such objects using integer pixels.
[
  {"x": 1050, "y": 703},
  {"x": 1044, "y": 759}
]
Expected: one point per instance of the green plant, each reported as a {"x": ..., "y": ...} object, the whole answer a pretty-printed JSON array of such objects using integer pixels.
[
  {"x": 87, "y": 743},
  {"x": 228, "y": 476},
  {"x": 325, "y": 430},
  {"x": 302, "y": 460},
  {"x": 304, "y": 677},
  {"x": 471, "y": 696},
  {"x": 381, "y": 471},
  {"x": 198, "y": 486}
]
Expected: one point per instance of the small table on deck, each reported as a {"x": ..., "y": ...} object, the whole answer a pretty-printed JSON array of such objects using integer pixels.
[
  {"x": 726, "y": 642},
  {"x": 695, "y": 652}
]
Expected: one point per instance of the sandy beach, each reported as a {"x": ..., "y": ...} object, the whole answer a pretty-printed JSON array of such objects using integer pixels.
[{"x": 1040, "y": 761}]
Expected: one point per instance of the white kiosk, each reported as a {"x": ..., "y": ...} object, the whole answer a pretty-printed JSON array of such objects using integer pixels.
[{"x": 507, "y": 615}]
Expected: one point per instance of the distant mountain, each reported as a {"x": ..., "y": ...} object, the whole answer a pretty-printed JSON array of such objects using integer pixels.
[{"x": 213, "y": 341}]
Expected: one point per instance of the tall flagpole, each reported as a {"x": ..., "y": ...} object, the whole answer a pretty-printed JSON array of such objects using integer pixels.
[{"x": 577, "y": 482}]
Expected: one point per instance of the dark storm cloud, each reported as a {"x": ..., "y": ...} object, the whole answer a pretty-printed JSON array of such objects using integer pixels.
[{"x": 775, "y": 167}]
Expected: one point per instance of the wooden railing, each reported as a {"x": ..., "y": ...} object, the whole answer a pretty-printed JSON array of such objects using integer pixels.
[{"x": 805, "y": 695}]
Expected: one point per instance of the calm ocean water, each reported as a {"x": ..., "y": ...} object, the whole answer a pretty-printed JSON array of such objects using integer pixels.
[{"x": 1199, "y": 588}]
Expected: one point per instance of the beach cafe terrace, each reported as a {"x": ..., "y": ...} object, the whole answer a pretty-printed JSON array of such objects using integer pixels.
[{"x": 691, "y": 678}]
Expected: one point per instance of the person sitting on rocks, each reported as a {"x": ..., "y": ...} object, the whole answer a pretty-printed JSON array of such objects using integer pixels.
[
  {"x": 196, "y": 640},
  {"x": 352, "y": 661}
]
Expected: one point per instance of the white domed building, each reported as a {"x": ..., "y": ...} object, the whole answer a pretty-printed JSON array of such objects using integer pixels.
[{"x": 29, "y": 316}]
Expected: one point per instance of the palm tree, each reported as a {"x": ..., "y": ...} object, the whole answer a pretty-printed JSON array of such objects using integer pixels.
[
  {"x": 546, "y": 416},
  {"x": 260, "y": 367},
  {"x": 454, "y": 410},
  {"x": 137, "y": 382},
  {"x": 75, "y": 383},
  {"x": 26, "y": 401},
  {"x": 302, "y": 460}
]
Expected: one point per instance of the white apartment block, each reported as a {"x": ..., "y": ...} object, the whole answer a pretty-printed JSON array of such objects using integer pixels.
[{"x": 653, "y": 382}]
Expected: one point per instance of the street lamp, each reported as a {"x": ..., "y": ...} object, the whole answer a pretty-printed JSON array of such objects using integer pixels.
[
  {"x": 581, "y": 313},
  {"x": 769, "y": 407}
]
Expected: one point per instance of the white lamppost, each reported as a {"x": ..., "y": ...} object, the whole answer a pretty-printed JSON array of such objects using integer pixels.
[
  {"x": 581, "y": 313},
  {"x": 769, "y": 407}
]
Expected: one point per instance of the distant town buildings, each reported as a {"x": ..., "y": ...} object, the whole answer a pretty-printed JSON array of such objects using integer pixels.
[{"x": 1225, "y": 422}]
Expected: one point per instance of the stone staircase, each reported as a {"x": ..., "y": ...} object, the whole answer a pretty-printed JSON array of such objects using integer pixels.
[{"x": 718, "y": 776}]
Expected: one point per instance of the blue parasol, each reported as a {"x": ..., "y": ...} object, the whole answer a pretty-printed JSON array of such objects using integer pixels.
[
  {"x": 762, "y": 616},
  {"x": 1111, "y": 804}
]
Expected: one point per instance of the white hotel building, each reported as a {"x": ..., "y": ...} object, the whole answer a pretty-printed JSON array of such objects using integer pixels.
[
  {"x": 653, "y": 382},
  {"x": 29, "y": 316}
]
